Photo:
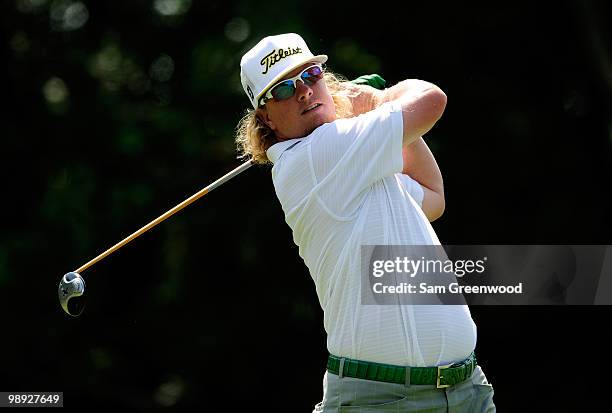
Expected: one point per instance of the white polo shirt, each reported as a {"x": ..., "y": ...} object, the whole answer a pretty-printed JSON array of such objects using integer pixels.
[{"x": 341, "y": 187}]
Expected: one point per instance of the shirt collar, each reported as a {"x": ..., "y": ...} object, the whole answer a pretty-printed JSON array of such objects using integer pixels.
[{"x": 275, "y": 151}]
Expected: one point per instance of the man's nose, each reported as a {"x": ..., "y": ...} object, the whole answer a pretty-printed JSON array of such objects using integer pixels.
[{"x": 303, "y": 91}]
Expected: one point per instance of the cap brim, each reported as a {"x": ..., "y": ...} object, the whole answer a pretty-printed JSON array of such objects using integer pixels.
[{"x": 322, "y": 58}]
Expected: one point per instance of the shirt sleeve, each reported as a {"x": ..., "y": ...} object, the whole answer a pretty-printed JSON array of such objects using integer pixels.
[
  {"x": 414, "y": 188},
  {"x": 350, "y": 155}
]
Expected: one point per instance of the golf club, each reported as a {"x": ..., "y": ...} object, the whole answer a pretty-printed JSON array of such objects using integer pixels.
[{"x": 72, "y": 285}]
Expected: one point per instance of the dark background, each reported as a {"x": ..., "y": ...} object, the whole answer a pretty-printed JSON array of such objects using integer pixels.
[{"x": 113, "y": 112}]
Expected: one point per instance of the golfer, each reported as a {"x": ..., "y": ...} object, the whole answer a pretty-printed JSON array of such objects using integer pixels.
[{"x": 351, "y": 169}]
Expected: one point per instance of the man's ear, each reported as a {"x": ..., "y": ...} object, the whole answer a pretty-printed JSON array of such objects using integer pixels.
[{"x": 262, "y": 114}]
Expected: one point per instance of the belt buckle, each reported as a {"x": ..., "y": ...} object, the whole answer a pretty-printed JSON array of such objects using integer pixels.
[{"x": 438, "y": 376}]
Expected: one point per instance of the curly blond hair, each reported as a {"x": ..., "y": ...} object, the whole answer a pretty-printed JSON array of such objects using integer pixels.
[{"x": 254, "y": 137}]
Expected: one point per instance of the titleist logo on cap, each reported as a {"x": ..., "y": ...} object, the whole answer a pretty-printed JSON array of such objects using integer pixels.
[{"x": 274, "y": 56}]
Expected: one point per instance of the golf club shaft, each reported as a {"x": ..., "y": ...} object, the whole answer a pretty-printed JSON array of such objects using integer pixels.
[{"x": 168, "y": 214}]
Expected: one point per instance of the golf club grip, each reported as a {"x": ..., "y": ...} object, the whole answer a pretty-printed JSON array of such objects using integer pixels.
[{"x": 169, "y": 213}]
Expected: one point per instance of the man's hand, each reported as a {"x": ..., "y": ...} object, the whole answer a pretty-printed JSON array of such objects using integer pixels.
[{"x": 365, "y": 92}]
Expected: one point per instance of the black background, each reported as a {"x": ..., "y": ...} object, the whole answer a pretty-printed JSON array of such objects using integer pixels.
[{"x": 214, "y": 308}]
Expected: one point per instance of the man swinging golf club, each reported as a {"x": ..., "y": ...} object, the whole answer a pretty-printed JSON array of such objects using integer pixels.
[{"x": 351, "y": 169}]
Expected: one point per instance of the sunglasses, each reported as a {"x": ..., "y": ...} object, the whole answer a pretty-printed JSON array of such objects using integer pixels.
[{"x": 286, "y": 88}]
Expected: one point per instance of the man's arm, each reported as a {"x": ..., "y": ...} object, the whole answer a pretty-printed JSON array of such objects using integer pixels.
[
  {"x": 422, "y": 105},
  {"x": 420, "y": 165}
]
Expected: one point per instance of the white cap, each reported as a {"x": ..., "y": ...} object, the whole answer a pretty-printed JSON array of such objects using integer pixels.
[{"x": 272, "y": 59}]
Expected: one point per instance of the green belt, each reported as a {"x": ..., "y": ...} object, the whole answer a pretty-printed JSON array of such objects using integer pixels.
[{"x": 441, "y": 376}]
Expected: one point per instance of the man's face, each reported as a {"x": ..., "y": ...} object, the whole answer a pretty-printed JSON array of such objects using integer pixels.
[{"x": 295, "y": 117}]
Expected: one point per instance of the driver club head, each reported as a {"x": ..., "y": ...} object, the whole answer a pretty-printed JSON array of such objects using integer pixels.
[{"x": 71, "y": 293}]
